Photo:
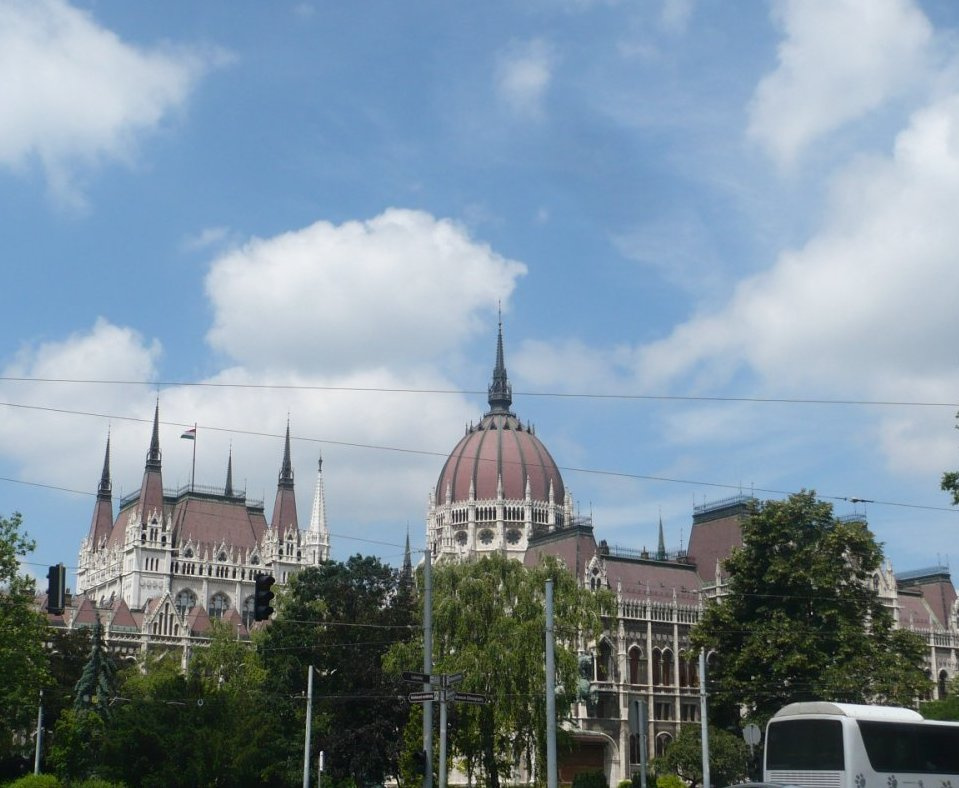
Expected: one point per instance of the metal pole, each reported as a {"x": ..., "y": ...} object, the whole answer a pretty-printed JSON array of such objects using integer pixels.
[
  {"x": 309, "y": 720},
  {"x": 193, "y": 468},
  {"x": 702, "y": 713},
  {"x": 443, "y": 739},
  {"x": 36, "y": 759},
  {"x": 551, "y": 772},
  {"x": 428, "y": 666},
  {"x": 319, "y": 771}
]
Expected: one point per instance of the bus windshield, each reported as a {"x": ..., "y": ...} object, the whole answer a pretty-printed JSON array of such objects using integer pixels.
[{"x": 803, "y": 745}]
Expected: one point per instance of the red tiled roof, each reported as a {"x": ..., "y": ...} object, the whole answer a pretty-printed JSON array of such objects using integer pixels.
[
  {"x": 85, "y": 613},
  {"x": 914, "y": 613},
  {"x": 122, "y": 617},
  {"x": 216, "y": 521},
  {"x": 198, "y": 621},
  {"x": 712, "y": 541}
]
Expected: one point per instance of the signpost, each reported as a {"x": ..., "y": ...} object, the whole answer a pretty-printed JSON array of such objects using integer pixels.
[{"x": 441, "y": 691}]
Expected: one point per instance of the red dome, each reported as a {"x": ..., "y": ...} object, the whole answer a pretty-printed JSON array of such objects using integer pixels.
[{"x": 499, "y": 447}]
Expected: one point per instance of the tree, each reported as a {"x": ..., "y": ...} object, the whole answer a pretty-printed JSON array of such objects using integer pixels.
[
  {"x": 728, "y": 757},
  {"x": 801, "y": 620},
  {"x": 96, "y": 687},
  {"x": 342, "y": 617},
  {"x": 23, "y": 660},
  {"x": 489, "y": 624}
]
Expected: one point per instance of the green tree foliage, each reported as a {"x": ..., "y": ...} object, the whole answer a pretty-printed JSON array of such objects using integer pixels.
[
  {"x": 23, "y": 660},
  {"x": 96, "y": 688},
  {"x": 728, "y": 757},
  {"x": 592, "y": 779},
  {"x": 801, "y": 620},
  {"x": 489, "y": 624},
  {"x": 342, "y": 617}
]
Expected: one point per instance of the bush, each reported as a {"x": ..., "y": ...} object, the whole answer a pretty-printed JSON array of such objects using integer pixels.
[
  {"x": 624, "y": 784},
  {"x": 594, "y": 779},
  {"x": 35, "y": 781},
  {"x": 669, "y": 781},
  {"x": 97, "y": 782}
]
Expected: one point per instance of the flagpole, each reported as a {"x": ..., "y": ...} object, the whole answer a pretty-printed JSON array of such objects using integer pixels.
[{"x": 193, "y": 468}]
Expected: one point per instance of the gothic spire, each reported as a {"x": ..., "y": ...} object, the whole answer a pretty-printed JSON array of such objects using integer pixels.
[
  {"x": 106, "y": 486},
  {"x": 101, "y": 524},
  {"x": 153, "y": 456},
  {"x": 500, "y": 390},
  {"x": 661, "y": 549},
  {"x": 228, "y": 488},
  {"x": 286, "y": 469},
  {"x": 284, "y": 509}
]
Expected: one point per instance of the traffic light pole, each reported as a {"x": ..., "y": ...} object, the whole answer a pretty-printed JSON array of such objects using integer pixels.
[
  {"x": 309, "y": 721},
  {"x": 428, "y": 667}
]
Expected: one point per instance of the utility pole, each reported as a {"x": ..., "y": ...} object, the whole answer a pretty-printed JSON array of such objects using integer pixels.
[
  {"x": 36, "y": 758},
  {"x": 551, "y": 773},
  {"x": 428, "y": 666},
  {"x": 702, "y": 714},
  {"x": 309, "y": 721}
]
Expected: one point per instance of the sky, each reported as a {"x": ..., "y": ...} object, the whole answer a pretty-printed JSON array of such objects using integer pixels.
[{"x": 723, "y": 241}]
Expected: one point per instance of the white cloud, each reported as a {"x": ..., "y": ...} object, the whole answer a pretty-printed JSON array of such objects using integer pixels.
[
  {"x": 361, "y": 295},
  {"x": 73, "y": 94},
  {"x": 523, "y": 75},
  {"x": 675, "y": 15},
  {"x": 840, "y": 60}
]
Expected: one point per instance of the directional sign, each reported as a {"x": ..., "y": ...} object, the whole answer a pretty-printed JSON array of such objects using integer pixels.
[
  {"x": 470, "y": 697},
  {"x": 419, "y": 697},
  {"x": 416, "y": 678},
  {"x": 449, "y": 679}
]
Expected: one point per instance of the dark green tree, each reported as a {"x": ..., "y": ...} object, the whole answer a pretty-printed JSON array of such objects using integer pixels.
[
  {"x": 97, "y": 686},
  {"x": 489, "y": 624},
  {"x": 728, "y": 757},
  {"x": 23, "y": 658},
  {"x": 801, "y": 620},
  {"x": 342, "y": 617}
]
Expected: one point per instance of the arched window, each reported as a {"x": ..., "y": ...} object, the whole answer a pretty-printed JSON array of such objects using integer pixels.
[
  {"x": 684, "y": 666},
  {"x": 604, "y": 662},
  {"x": 668, "y": 678},
  {"x": 248, "y": 611},
  {"x": 657, "y": 667},
  {"x": 637, "y": 666},
  {"x": 219, "y": 604},
  {"x": 185, "y": 601},
  {"x": 634, "y": 754},
  {"x": 943, "y": 684},
  {"x": 663, "y": 740}
]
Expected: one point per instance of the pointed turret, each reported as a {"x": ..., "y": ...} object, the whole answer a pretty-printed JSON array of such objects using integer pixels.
[
  {"x": 318, "y": 536},
  {"x": 500, "y": 391},
  {"x": 151, "y": 490},
  {"x": 228, "y": 487},
  {"x": 661, "y": 548},
  {"x": 102, "y": 522},
  {"x": 284, "y": 509}
]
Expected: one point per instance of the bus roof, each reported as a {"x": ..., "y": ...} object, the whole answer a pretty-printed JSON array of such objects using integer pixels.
[{"x": 859, "y": 712}]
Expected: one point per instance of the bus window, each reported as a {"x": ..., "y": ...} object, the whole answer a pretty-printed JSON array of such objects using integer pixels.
[
  {"x": 908, "y": 747},
  {"x": 801, "y": 745}
]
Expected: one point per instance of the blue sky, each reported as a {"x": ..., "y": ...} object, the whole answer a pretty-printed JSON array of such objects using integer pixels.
[{"x": 708, "y": 222}]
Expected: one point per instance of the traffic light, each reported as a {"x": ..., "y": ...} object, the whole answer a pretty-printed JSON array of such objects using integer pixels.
[
  {"x": 262, "y": 597},
  {"x": 56, "y": 589}
]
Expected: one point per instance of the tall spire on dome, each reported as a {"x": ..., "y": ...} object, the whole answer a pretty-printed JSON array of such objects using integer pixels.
[
  {"x": 106, "y": 486},
  {"x": 500, "y": 390}
]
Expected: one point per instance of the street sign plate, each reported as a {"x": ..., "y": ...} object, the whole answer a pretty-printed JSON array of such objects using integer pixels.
[
  {"x": 416, "y": 678},
  {"x": 470, "y": 697},
  {"x": 419, "y": 697},
  {"x": 452, "y": 678}
]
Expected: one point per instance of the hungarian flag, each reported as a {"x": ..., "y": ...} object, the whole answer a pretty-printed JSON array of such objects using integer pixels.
[{"x": 190, "y": 434}]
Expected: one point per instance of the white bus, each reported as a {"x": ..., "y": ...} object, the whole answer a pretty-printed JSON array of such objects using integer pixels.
[{"x": 841, "y": 745}]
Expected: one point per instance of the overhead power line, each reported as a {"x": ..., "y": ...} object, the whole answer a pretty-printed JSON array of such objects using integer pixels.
[
  {"x": 443, "y": 454},
  {"x": 477, "y": 392}
]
